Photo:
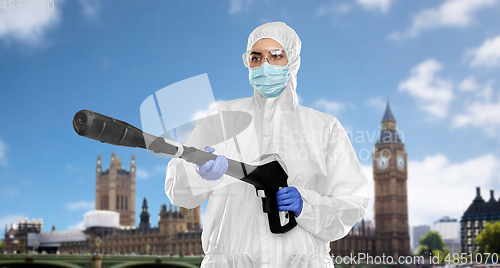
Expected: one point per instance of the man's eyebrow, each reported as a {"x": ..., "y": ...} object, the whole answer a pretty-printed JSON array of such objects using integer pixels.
[{"x": 255, "y": 52}]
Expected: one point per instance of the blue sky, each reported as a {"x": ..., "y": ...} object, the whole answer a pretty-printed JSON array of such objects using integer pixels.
[{"x": 438, "y": 62}]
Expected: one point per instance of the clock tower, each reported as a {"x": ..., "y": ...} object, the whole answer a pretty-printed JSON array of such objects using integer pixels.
[{"x": 391, "y": 203}]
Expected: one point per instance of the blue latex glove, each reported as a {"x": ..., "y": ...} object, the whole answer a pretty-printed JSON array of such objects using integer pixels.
[
  {"x": 289, "y": 199},
  {"x": 213, "y": 170}
]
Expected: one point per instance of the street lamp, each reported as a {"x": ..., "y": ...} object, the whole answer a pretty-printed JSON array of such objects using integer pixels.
[{"x": 98, "y": 242}]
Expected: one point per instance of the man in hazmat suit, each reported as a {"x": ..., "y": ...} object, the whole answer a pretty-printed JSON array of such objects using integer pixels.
[{"x": 327, "y": 192}]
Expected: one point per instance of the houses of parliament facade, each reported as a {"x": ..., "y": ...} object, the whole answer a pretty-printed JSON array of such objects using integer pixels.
[{"x": 179, "y": 230}]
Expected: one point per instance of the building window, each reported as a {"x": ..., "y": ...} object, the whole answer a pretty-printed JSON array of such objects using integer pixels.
[
  {"x": 476, "y": 232},
  {"x": 469, "y": 241},
  {"x": 476, "y": 224},
  {"x": 468, "y": 224},
  {"x": 468, "y": 232},
  {"x": 126, "y": 199},
  {"x": 484, "y": 223},
  {"x": 470, "y": 249},
  {"x": 117, "y": 201}
]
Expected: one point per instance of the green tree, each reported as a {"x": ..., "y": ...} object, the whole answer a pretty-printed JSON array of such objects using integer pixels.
[
  {"x": 1, "y": 245},
  {"x": 489, "y": 239},
  {"x": 422, "y": 250},
  {"x": 433, "y": 240}
]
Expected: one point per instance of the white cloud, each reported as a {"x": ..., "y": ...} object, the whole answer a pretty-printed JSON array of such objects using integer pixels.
[
  {"x": 469, "y": 84},
  {"x": 435, "y": 183},
  {"x": 90, "y": 7},
  {"x": 238, "y": 5},
  {"x": 10, "y": 219},
  {"x": 330, "y": 107},
  {"x": 483, "y": 113},
  {"x": 377, "y": 102},
  {"x": 76, "y": 226},
  {"x": 382, "y": 5},
  {"x": 86, "y": 205},
  {"x": 452, "y": 13},
  {"x": 432, "y": 94},
  {"x": 3, "y": 156},
  {"x": 333, "y": 9},
  {"x": 142, "y": 174},
  {"x": 488, "y": 54},
  {"x": 29, "y": 27}
]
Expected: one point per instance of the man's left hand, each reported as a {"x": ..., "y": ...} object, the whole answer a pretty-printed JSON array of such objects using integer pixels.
[{"x": 289, "y": 199}]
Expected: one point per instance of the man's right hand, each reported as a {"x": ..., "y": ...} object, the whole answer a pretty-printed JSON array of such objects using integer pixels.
[{"x": 213, "y": 170}]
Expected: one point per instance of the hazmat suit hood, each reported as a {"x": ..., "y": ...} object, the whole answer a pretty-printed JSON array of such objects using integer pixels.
[{"x": 288, "y": 39}]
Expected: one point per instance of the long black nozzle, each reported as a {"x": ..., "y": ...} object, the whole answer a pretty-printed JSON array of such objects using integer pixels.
[
  {"x": 268, "y": 177},
  {"x": 113, "y": 131}
]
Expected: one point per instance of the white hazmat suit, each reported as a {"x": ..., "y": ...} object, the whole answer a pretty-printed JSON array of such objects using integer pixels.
[{"x": 321, "y": 164}]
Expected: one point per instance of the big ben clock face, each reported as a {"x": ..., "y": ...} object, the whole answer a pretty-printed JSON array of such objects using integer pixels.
[
  {"x": 382, "y": 162},
  {"x": 401, "y": 162}
]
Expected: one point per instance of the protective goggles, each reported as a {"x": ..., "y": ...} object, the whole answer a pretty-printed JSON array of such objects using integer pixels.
[{"x": 273, "y": 55}]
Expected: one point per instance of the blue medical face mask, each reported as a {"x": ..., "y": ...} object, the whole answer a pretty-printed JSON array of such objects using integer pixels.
[{"x": 269, "y": 80}]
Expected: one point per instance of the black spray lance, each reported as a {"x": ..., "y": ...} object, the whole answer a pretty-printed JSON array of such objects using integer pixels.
[{"x": 267, "y": 178}]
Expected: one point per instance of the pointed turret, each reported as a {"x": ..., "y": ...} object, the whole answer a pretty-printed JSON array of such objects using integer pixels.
[
  {"x": 113, "y": 158},
  {"x": 144, "y": 224},
  {"x": 389, "y": 133},
  {"x": 388, "y": 114},
  {"x": 144, "y": 205}
]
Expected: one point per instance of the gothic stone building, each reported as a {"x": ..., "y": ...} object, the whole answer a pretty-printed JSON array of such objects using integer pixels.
[
  {"x": 178, "y": 231},
  {"x": 391, "y": 234},
  {"x": 115, "y": 189},
  {"x": 475, "y": 218}
]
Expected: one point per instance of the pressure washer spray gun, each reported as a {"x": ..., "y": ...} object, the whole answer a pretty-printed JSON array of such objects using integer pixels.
[{"x": 267, "y": 178}]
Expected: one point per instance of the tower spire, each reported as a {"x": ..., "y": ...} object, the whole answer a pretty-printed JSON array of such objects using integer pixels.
[
  {"x": 144, "y": 223},
  {"x": 389, "y": 133},
  {"x": 388, "y": 113}
]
